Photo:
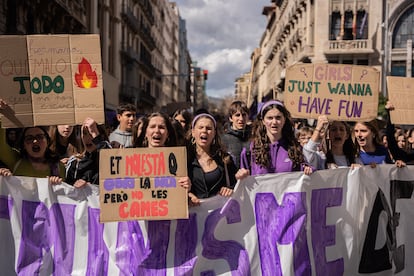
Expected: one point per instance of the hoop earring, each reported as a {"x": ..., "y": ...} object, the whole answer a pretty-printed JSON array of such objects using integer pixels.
[
  {"x": 145, "y": 142},
  {"x": 193, "y": 141}
]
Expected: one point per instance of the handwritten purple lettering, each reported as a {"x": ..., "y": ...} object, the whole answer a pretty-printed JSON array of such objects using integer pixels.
[
  {"x": 43, "y": 229},
  {"x": 324, "y": 235},
  {"x": 314, "y": 105},
  {"x": 282, "y": 224},
  {"x": 235, "y": 255}
]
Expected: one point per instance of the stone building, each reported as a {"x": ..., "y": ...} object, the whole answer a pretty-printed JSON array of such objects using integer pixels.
[
  {"x": 140, "y": 44},
  {"x": 359, "y": 32},
  {"x": 242, "y": 87},
  {"x": 43, "y": 17}
]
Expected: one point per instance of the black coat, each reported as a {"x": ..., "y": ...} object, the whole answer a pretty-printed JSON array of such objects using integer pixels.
[
  {"x": 234, "y": 141},
  {"x": 87, "y": 167},
  {"x": 200, "y": 188}
]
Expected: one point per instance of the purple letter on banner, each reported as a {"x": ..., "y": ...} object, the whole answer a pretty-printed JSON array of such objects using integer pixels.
[
  {"x": 7, "y": 248},
  {"x": 133, "y": 257},
  {"x": 231, "y": 251},
  {"x": 323, "y": 235},
  {"x": 283, "y": 224},
  {"x": 185, "y": 246},
  {"x": 42, "y": 229},
  {"x": 6, "y": 204},
  {"x": 97, "y": 250}
]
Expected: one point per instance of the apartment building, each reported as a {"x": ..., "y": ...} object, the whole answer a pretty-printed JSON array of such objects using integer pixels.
[
  {"x": 242, "y": 87},
  {"x": 141, "y": 44},
  {"x": 360, "y": 32}
]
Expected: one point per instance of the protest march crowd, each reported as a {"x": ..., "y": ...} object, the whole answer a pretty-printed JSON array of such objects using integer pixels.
[{"x": 218, "y": 153}]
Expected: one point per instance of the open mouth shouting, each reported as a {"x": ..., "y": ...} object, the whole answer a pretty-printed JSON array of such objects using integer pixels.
[
  {"x": 204, "y": 139},
  {"x": 361, "y": 140},
  {"x": 36, "y": 148},
  {"x": 157, "y": 140}
]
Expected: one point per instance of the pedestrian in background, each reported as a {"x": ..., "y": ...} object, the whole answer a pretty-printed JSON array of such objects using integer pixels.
[
  {"x": 184, "y": 117},
  {"x": 64, "y": 141},
  {"x": 121, "y": 137},
  {"x": 237, "y": 134}
]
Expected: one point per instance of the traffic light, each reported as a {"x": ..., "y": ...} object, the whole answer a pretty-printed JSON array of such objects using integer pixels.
[{"x": 205, "y": 72}]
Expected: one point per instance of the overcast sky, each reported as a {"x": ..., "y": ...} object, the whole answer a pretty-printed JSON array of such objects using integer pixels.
[{"x": 221, "y": 37}]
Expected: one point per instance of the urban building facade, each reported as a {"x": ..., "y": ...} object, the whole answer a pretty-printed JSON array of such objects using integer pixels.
[
  {"x": 242, "y": 87},
  {"x": 143, "y": 44},
  {"x": 359, "y": 32},
  {"x": 199, "y": 82}
]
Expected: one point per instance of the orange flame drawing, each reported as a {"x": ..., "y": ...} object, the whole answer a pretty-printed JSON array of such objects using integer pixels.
[{"x": 86, "y": 78}]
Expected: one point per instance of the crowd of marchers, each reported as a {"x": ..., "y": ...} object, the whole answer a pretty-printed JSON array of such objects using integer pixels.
[{"x": 219, "y": 152}]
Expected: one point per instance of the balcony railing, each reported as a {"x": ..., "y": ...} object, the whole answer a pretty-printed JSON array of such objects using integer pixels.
[
  {"x": 137, "y": 95},
  {"x": 130, "y": 18},
  {"x": 147, "y": 8},
  {"x": 146, "y": 97},
  {"x": 349, "y": 46},
  {"x": 76, "y": 8},
  {"x": 145, "y": 33},
  {"x": 131, "y": 54}
]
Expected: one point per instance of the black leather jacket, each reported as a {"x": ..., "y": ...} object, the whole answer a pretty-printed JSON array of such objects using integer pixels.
[{"x": 200, "y": 188}]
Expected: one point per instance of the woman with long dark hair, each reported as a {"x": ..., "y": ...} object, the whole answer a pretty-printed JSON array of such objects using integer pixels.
[
  {"x": 210, "y": 168},
  {"x": 33, "y": 158},
  {"x": 368, "y": 146},
  {"x": 157, "y": 131},
  {"x": 274, "y": 147},
  {"x": 64, "y": 141}
]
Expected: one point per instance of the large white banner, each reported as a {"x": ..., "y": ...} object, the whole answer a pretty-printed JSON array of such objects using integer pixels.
[{"x": 334, "y": 222}]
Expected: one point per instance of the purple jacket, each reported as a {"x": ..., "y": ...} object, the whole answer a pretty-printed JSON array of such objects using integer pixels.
[{"x": 280, "y": 161}]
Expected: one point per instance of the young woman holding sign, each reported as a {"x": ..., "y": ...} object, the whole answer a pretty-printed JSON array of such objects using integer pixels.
[
  {"x": 34, "y": 158},
  {"x": 274, "y": 147},
  {"x": 211, "y": 169},
  {"x": 157, "y": 131}
]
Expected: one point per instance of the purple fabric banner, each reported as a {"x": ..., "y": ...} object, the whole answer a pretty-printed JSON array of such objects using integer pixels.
[{"x": 334, "y": 222}]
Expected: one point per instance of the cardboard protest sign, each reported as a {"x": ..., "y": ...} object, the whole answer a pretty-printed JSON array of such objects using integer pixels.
[
  {"x": 51, "y": 79},
  {"x": 400, "y": 90},
  {"x": 339, "y": 91},
  {"x": 141, "y": 183}
]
